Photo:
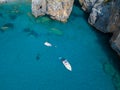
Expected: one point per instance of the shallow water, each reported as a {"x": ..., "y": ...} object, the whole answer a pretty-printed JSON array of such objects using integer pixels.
[{"x": 27, "y": 64}]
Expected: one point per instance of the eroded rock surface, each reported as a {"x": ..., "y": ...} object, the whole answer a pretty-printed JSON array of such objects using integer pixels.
[
  {"x": 56, "y": 9},
  {"x": 38, "y": 7},
  {"x": 100, "y": 14},
  {"x": 87, "y": 5},
  {"x": 114, "y": 26},
  {"x": 105, "y": 16}
]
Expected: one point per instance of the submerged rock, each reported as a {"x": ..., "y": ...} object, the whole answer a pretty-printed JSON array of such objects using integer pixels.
[
  {"x": 38, "y": 57},
  {"x": 116, "y": 81},
  {"x": 13, "y": 17},
  {"x": 43, "y": 20},
  {"x": 56, "y": 9},
  {"x": 9, "y": 25},
  {"x": 6, "y": 27},
  {"x": 1, "y": 15},
  {"x": 27, "y": 30},
  {"x": 31, "y": 32},
  {"x": 110, "y": 70},
  {"x": 55, "y": 31}
]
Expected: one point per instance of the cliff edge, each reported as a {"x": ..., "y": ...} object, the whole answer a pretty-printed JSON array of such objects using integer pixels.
[{"x": 104, "y": 15}]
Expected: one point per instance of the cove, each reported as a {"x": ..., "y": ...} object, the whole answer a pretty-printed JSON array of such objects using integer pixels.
[{"x": 27, "y": 64}]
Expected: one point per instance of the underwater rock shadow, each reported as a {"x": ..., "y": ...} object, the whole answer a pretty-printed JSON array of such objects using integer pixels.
[
  {"x": 38, "y": 57},
  {"x": 103, "y": 41},
  {"x": 12, "y": 17},
  {"x": 31, "y": 32},
  {"x": 76, "y": 3},
  {"x": 6, "y": 27},
  {"x": 1, "y": 15}
]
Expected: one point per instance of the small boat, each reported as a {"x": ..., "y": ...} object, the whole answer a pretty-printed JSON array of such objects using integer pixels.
[
  {"x": 47, "y": 44},
  {"x": 66, "y": 63}
]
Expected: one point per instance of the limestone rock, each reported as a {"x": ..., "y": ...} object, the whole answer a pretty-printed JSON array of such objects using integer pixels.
[
  {"x": 87, "y": 5},
  {"x": 59, "y": 9},
  {"x": 38, "y": 7},
  {"x": 105, "y": 16},
  {"x": 114, "y": 25},
  {"x": 100, "y": 14},
  {"x": 56, "y": 9},
  {"x": 114, "y": 20},
  {"x": 115, "y": 42}
]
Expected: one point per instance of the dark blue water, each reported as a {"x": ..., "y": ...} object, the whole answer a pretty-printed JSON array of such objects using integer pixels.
[{"x": 27, "y": 64}]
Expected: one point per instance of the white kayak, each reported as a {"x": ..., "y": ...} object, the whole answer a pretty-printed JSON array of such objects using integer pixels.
[{"x": 66, "y": 63}]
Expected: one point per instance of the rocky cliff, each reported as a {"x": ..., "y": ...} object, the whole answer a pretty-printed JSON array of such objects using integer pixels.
[
  {"x": 56, "y": 9},
  {"x": 104, "y": 15},
  {"x": 114, "y": 26}
]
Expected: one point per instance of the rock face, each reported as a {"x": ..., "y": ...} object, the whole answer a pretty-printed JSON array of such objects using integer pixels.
[
  {"x": 115, "y": 42},
  {"x": 100, "y": 11},
  {"x": 56, "y": 9},
  {"x": 114, "y": 26},
  {"x": 100, "y": 14},
  {"x": 38, "y": 7},
  {"x": 87, "y": 5},
  {"x": 105, "y": 16}
]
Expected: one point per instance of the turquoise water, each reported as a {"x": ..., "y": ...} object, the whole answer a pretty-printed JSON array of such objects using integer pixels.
[{"x": 27, "y": 64}]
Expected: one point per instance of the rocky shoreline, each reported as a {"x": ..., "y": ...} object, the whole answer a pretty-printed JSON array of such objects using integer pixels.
[
  {"x": 104, "y": 15},
  {"x": 56, "y": 9}
]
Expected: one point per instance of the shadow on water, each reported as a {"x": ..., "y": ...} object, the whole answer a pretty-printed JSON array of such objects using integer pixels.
[
  {"x": 76, "y": 3},
  {"x": 113, "y": 57},
  {"x": 38, "y": 56},
  {"x": 1, "y": 15},
  {"x": 112, "y": 66},
  {"x": 102, "y": 41},
  {"x": 31, "y": 32},
  {"x": 6, "y": 26}
]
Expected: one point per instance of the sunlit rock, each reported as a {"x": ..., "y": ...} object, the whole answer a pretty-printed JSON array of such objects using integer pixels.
[
  {"x": 56, "y": 9},
  {"x": 38, "y": 7}
]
